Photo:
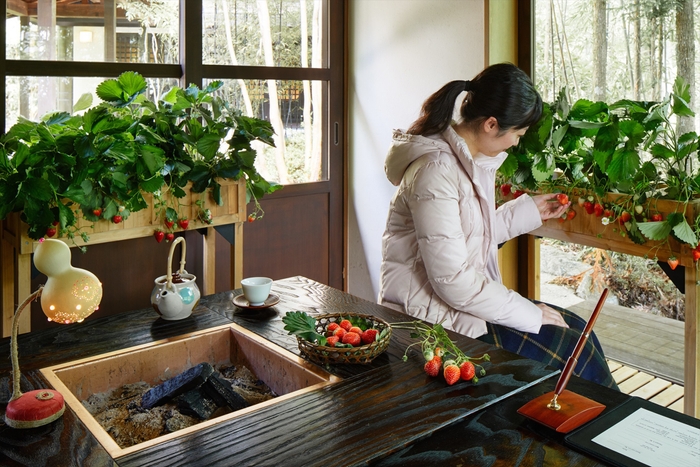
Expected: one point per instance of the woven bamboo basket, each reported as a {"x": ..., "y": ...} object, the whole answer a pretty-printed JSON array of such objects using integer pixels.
[{"x": 363, "y": 354}]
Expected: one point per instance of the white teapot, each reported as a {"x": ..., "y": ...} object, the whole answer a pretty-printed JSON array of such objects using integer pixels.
[{"x": 175, "y": 296}]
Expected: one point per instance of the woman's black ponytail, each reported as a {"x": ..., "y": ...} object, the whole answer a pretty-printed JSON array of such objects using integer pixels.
[{"x": 502, "y": 91}]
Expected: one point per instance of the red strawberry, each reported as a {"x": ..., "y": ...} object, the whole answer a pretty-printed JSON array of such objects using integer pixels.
[
  {"x": 588, "y": 206},
  {"x": 251, "y": 218},
  {"x": 570, "y": 214},
  {"x": 345, "y": 324},
  {"x": 433, "y": 366},
  {"x": 696, "y": 255},
  {"x": 467, "y": 370},
  {"x": 355, "y": 329},
  {"x": 116, "y": 219},
  {"x": 340, "y": 332},
  {"x": 598, "y": 209},
  {"x": 505, "y": 189},
  {"x": 452, "y": 374},
  {"x": 169, "y": 224},
  {"x": 331, "y": 341},
  {"x": 97, "y": 212},
  {"x": 625, "y": 217},
  {"x": 332, "y": 327},
  {"x": 159, "y": 235},
  {"x": 673, "y": 262},
  {"x": 183, "y": 223},
  {"x": 352, "y": 338},
  {"x": 369, "y": 336},
  {"x": 607, "y": 213},
  {"x": 51, "y": 231},
  {"x": 518, "y": 193},
  {"x": 656, "y": 217},
  {"x": 169, "y": 237},
  {"x": 563, "y": 198}
]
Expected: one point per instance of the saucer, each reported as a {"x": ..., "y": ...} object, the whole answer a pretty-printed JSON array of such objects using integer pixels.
[{"x": 241, "y": 302}]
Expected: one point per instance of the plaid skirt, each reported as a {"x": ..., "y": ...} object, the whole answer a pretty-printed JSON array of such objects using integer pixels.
[{"x": 553, "y": 345}]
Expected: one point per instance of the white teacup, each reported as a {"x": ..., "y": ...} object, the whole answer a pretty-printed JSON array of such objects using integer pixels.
[{"x": 256, "y": 289}]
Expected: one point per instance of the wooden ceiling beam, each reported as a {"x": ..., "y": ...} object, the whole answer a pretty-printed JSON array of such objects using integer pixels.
[{"x": 63, "y": 10}]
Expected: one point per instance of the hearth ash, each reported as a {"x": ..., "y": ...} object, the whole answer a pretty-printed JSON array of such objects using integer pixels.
[{"x": 137, "y": 412}]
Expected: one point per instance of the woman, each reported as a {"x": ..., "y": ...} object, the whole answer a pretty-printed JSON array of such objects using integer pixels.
[{"x": 441, "y": 241}]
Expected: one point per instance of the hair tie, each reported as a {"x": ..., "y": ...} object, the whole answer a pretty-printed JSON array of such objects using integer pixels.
[{"x": 467, "y": 85}]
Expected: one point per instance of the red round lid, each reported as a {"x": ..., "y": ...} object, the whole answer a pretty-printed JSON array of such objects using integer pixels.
[{"x": 35, "y": 408}]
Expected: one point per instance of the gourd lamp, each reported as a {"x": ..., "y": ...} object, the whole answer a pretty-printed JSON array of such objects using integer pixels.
[{"x": 69, "y": 296}]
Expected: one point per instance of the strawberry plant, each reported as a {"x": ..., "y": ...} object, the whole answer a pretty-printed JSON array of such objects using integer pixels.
[
  {"x": 630, "y": 148},
  {"x": 437, "y": 347},
  {"x": 99, "y": 164}
]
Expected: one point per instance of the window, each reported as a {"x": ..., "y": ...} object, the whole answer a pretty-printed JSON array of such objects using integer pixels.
[{"x": 272, "y": 55}]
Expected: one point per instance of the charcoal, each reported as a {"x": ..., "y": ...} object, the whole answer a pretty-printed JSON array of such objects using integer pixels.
[
  {"x": 219, "y": 390},
  {"x": 195, "y": 403},
  {"x": 185, "y": 381}
]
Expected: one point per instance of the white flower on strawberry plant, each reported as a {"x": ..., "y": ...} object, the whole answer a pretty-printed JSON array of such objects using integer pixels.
[{"x": 605, "y": 220}]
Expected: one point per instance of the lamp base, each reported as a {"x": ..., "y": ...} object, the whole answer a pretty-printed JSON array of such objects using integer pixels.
[
  {"x": 34, "y": 408},
  {"x": 574, "y": 410}
]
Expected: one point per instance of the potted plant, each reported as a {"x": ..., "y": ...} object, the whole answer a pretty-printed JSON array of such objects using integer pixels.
[
  {"x": 126, "y": 154},
  {"x": 621, "y": 164}
]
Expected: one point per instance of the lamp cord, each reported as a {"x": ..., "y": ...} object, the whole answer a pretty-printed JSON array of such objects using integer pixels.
[{"x": 16, "y": 392}]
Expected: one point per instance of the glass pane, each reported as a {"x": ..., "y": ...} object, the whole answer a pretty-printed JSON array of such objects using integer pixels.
[
  {"x": 41, "y": 94},
  {"x": 300, "y": 156},
  {"x": 279, "y": 33},
  {"x": 142, "y": 32}
]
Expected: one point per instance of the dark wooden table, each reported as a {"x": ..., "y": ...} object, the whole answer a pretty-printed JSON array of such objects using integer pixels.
[{"x": 385, "y": 413}]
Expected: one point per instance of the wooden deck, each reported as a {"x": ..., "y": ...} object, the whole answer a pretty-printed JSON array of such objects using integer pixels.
[{"x": 649, "y": 387}]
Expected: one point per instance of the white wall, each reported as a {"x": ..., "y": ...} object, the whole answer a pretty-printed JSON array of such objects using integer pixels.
[{"x": 400, "y": 52}]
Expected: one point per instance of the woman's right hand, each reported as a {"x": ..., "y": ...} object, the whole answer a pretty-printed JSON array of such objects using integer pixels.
[{"x": 551, "y": 316}]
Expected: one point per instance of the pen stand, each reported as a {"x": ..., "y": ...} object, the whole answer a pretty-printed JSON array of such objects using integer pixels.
[{"x": 574, "y": 410}]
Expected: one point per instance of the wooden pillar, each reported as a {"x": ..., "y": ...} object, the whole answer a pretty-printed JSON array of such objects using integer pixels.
[
  {"x": 692, "y": 350},
  {"x": 110, "y": 36}
]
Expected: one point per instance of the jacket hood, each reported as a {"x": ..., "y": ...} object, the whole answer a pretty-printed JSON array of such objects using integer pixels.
[{"x": 406, "y": 148}]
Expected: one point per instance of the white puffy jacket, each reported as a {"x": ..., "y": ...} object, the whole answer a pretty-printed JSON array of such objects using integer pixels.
[{"x": 440, "y": 247}]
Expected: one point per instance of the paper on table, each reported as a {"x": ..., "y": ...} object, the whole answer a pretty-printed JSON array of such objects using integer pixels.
[{"x": 653, "y": 440}]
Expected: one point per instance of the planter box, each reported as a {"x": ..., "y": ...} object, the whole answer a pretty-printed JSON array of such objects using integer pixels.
[
  {"x": 587, "y": 229},
  {"x": 141, "y": 223}
]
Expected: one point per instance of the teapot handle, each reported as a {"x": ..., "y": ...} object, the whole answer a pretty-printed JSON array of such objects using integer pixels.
[{"x": 170, "y": 259}]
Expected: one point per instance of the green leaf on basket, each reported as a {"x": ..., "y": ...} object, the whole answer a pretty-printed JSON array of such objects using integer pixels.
[{"x": 302, "y": 325}]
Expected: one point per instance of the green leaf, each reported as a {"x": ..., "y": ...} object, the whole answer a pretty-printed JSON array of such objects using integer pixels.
[
  {"x": 509, "y": 166},
  {"x": 153, "y": 184},
  {"x": 655, "y": 230},
  {"x": 559, "y": 135},
  {"x": 209, "y": 145},
  {"x": 302, "y": 325},
  {"x": 132, "y": 83},
  {"x": 685, "y": 233},
  {"x": 110, "y": 91},
  {"x": 83, "y": 102},
  {"x": 681, "y": 98},
  {"x": 624, "y": 165}
]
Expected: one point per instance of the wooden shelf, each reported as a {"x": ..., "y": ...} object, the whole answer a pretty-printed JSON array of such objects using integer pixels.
[{"x": 16, "y": 247}]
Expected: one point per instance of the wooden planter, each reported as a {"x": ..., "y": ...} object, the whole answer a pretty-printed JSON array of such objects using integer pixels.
[
  {"x": 587, "y": 229},
  {"x": 141, "y": 223},
  {"x": 16, "y": 247}
]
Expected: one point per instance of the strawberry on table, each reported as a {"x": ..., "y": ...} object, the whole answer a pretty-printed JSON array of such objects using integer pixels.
[
  {"x": 355, "y": 329},
  {"x": 451, "y": 373},
  {"x": 346, "y": 324},
  {"x": 332, "y": 340},
  {"x": 467, "y": 371},
  {"x": 332, "y": 327},
  {"x": 433, "y": 366}
]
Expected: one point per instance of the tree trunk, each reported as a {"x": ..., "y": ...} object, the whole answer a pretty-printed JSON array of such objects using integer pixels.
[
  {"x": 316, "y": 163},
  {"x": 685, "y": 56},
  {"x": 308, "y": 130},
  {"x": 637, "y": 51},
  {"x": 600, "y": 49},
  {"x": 275, "y": 114}
]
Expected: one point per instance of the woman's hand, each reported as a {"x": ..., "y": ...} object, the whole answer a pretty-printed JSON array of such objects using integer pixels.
[
  {"x": 549, "y": 206},
  {"x": 551, "y": 316}
]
